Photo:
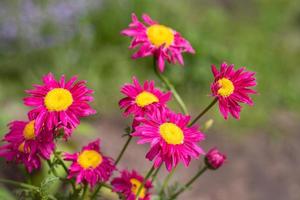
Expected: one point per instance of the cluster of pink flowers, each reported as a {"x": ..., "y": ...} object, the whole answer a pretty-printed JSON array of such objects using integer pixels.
[{"x": 58, "y": 105}]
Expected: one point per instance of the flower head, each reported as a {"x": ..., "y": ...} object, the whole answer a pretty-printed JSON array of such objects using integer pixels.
[
  {"x": 19, "y": 153},
  {"x": 214, "y": 159},
  {"x": 142, "y": 98},
  {"x": 171, "y": 139},
  {"x": 156, "y": 40},
  {"x": 129, "y": 183},
  {"x": 90, "y": 165},
  {"x": 59, "y": 104},
  {"x": 231, "y": 88},
  {"x": 22, "y": 132}
]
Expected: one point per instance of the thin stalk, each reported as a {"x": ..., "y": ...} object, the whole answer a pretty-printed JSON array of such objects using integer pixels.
[
  {"x": 143, "y": 183},
  {"x": 155, "y": 173},
  {"x": 166, "y": 180},
  {"x": 169, "y": 85},
  {"x": 204, "y": 111},
  {"x": 189, "y": 183},
  {"x": 123, "y": 150},
  {"x": 84, "y": 191},
  {"x": 94, "y": 195},
  {"x": 20, "y": 184}
]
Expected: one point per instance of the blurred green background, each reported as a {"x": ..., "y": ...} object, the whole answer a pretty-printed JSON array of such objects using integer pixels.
[{"x": 83, "y": 37}]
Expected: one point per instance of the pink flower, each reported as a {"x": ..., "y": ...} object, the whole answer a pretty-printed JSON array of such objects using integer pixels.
[
  {"x": 214, "y": 159},
  {"x": 231, "y": 88},
  {"x": 171, "y": 139},
  {"x": 129, "y": 183},
  {"x": 23, "y": 132},
  {"x": 59, "y": 104},
  {"x": 17, "y": 153},
  {"x": 90, "y": 165},
  {"x": 142, "y": 98},
  {"x": 156, "y": 40}
]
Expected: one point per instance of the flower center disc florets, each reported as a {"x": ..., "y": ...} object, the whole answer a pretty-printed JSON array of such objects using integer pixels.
[
  {"x": 28, "y": 131},
  {"x": 145, "y": 99},
  {"x": 226, "y": 87},
  {"x": 171, "y": 133},
  {"x": 22, "y": 149},
  {"x": 135, "y": 187},
  {"x": 159, "y": 35},
  {"x": 58, "y": 99},
  {"x": 89, "y": 159}
]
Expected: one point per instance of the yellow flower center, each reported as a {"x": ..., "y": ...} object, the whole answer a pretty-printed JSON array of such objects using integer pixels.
[
  {"x": 159, "y": 35},
  {"x": 58, "y": 99},
  {"x": 226, "y": 87},
  {"x": 171, "y": 133},
  {"x": 28, "y": 131},
  {"x": 22, "y": 149},
  {"x": 136, "y": 184},
  {"x": 89, "y": 159},
  {"x": 145, "y": 98}
]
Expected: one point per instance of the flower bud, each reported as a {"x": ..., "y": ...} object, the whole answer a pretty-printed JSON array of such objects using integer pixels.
[{"x": 214, "y": 159}]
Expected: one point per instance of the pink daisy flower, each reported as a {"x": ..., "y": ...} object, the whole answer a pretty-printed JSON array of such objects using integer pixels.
[
  {"x": 23, "y": 132},
  {"x": 90, "y": 165},
  {"x": 232, "y": 87},
  {"x": 142, "y": 98},
  {"x": 129, "y": 183},
  {"x": 18, "y": 153},
  {"x": 156, "y": 40},
  {"x": 170, "y": 138},
  {"x": 59, "y": 104}
]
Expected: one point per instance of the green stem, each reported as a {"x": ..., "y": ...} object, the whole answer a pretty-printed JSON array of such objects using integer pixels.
[
  {"x": 20, "y": 184},
  {"x": 96, "y": 191},
  {"x": 155, "y": 173},
  {"x": 204, "y": 111},
  {"x": 84, "y": 191},
  {"x": 166, "y": 181},
  {"x": 61, "y": 162},
  {"x": 189, "y": 183},
  {"x": 169, "y": 85},
  {"x": 143, "y": 183},
  {"x": 123, "y": 150}
]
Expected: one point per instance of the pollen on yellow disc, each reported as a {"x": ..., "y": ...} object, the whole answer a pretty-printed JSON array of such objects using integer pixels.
[
  {"x": 145, "y": 98},
  {"x": 171, "y": 133},
  {"x": 160, "y": 34},
  {"x": 22, "y": 149},
  {"x": 89, "y": 159},
  {"x": 28, "y": 131},
  {"x": 135, "y": 185},
  {"x": 226, "y": 87},
  {"x": 58, "y": 99}
]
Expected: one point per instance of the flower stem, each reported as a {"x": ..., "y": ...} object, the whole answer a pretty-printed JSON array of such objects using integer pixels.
[
  {"x": 84, "y": 191},
  {"x": 20, "y": 184},
  {"x": 123, "y": 150},
  {"x": 155, "y": 173},
  {"x": 204, "y": 111},
  {"x": 166, "y": 181},
  {"x": 144, "y": 182},
  {"x": 189, "y": 183},
  {"x": 169, "y": 85}
]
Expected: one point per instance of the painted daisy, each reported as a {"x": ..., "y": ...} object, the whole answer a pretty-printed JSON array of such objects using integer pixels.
[
  {"x": 59, "y": 104},
  {"x": 23, "y": 132},
  {"x": 170, "y": 138},
  {"x": 156, "y": 40},
  {"x": 129, "y": 183},
  {"x": 89, "y": 165},
  {"x": 142, "y": 98},
  {"x": 232, "y": 87},
  {"x": 18, "y": 153}
]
